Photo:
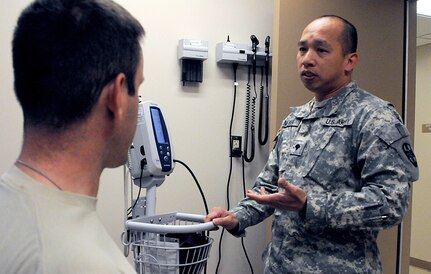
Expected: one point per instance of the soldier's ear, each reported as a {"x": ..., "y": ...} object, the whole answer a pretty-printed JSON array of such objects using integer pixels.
[{"x": 351, "y": 60}]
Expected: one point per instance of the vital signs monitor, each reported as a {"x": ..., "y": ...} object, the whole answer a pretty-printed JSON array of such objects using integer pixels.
[{"x": 151, "y": 155}]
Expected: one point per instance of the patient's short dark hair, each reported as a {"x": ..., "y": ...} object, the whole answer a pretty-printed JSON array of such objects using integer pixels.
[{"x": 66, "y": 51}]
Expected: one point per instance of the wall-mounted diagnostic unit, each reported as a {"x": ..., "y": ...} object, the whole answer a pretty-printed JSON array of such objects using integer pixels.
[
  {"x": 258, "y": 61},
  {"x": 228, "y": 52}
]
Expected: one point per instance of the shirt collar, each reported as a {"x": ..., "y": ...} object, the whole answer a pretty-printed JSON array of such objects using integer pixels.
[{"x": 330, "y": 108}]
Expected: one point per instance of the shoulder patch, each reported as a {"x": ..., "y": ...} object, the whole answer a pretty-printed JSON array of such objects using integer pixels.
[{"x": 408, "y": 151}]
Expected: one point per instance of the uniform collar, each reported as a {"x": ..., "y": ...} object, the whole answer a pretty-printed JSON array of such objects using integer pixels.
[{"x": 329, "y": 109}]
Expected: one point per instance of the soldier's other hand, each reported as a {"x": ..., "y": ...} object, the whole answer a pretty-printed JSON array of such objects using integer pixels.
[{"x": 223, "y": 218}]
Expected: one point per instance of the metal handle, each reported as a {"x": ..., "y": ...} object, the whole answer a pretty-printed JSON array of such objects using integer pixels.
[{"x": 163, "y": 228}]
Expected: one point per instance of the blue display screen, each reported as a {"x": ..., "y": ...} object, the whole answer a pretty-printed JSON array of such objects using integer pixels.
[{"x": 156, "y": 117}]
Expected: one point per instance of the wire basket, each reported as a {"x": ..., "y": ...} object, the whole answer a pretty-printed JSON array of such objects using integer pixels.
[{"x": 169, "y": 243}]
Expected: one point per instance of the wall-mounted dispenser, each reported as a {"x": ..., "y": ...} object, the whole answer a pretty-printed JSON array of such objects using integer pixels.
[{"x": 192, "y": 54}]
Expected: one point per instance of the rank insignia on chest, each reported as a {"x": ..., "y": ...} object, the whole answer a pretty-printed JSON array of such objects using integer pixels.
[{"x": 297, "y": 147}]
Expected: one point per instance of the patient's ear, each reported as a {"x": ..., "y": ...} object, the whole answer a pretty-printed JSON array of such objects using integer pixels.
[{"x": 116, "y": 93}]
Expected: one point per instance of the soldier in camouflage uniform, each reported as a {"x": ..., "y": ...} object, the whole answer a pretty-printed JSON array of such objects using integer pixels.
[{"x": 339, "y": 172}]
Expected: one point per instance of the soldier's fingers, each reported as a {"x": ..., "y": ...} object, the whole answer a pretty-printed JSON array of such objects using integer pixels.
[
  {"x": 283, "y": 183},
  {"x": 216, "y": 212},
  {"x": 260, "y": 198}
]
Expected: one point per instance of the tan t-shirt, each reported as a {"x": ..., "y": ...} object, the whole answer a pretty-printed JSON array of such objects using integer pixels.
[{"x": 45, "y": 230}]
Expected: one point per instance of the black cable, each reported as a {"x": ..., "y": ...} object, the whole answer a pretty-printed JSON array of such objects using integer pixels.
[
  {"x": 246, "y": 255},
  {"x": 219, "y": 251},
  {"x": 243, "y": 176},
  {"x": 200, "y": 191},
  {"x": 194, "y": 177},
  {"x": 249, "y": 122},
  {"x": 263, "y": 112},
  {"x": 197, "y": 183},
  {"x": 235, "y": 67},
  {"x": 130, "y": 209},
  {"x": 247, "y": 114},
  {"x": 242, "y": 239},
  {"x": 228, "y": 206},
  {"x": 202, "y": 195}
]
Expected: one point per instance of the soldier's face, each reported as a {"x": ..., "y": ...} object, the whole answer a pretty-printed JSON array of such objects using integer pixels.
[{"x": 320, "y": 59}]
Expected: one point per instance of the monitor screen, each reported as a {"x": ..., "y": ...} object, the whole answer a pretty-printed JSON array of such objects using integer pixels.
[{"x": 157, "y": 119}]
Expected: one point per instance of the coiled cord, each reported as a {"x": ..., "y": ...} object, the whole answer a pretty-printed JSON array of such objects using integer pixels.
[
  {"x": 263, "y": 112},
  {"x": 249, "y": 122}
]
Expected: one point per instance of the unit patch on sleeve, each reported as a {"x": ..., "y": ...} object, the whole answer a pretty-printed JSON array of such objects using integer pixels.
[{"x": 408, "y": 151}]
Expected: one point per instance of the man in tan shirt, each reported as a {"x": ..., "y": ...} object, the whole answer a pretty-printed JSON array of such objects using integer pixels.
[{"x": 77, "y": 67}]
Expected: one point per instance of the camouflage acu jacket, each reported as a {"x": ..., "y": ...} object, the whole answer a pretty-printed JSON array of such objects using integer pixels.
[{"x": 354, "y": 159}]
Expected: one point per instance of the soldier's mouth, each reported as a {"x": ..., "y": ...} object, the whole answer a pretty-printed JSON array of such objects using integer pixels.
[{"x": 308, "y": 75}]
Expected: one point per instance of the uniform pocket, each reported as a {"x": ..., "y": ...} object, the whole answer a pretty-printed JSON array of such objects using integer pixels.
[
  {"x": 316, "y": 164},
  {"x": 331, "y": 162}
]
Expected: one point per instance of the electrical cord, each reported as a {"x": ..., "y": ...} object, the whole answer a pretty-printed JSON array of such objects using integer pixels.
[
  {"x": 235, "y": 67},
  {"x": 242, "y": 239},
  {"x": 246, "y": 255},
  {"x": 197, "y": 184},
  {"x": 263, "y": 112},
  {"x": 130, "y": 209},
  {"x": 200, "y": 191}
]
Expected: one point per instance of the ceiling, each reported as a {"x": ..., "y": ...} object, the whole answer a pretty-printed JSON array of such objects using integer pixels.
[{"x": 423, "y": 30}]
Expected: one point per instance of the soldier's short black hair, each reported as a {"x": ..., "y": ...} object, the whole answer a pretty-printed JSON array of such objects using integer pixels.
[{"x": 349, "y": 36}]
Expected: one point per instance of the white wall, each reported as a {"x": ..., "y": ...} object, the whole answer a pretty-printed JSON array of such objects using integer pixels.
[
  {"x": 198, "y": 115},
  {"x": 421, "y": 225}
]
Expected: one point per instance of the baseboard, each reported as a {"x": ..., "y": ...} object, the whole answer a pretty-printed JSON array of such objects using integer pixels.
[{"x": 420, "y": 263}]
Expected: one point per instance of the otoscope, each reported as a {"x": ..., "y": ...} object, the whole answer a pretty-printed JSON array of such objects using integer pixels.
[
  {"x": 267, "y": 57},
  {"x": 264, "y": 101},
  {"x": 254, "y": 43}
]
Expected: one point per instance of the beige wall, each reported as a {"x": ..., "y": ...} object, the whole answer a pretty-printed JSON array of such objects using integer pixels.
[
  {"x": 198, "y": 115},
  {"x": 380, "y": 69},
  {"x": 421, "y": 217}
]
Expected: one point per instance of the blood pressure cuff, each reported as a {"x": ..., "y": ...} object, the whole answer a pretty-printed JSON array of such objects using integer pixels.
[{"x": 397, "y": 137}]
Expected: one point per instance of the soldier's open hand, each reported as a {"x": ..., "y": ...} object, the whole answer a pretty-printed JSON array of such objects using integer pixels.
[{"x": 290, "y": 197}]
